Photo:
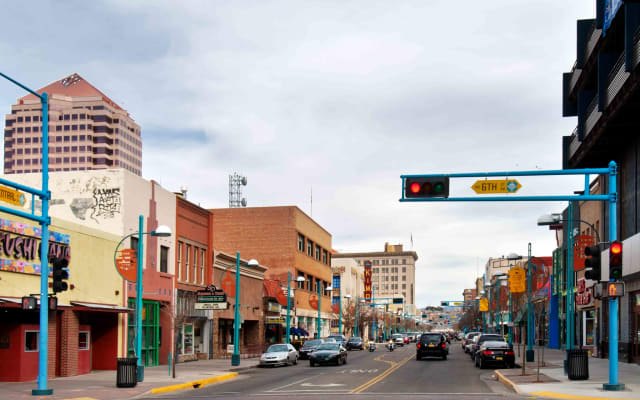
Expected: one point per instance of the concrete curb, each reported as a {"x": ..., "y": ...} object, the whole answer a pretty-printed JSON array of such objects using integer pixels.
[
  {"x": 195, "y": 384},
  {"x": 507, "y": 382}
]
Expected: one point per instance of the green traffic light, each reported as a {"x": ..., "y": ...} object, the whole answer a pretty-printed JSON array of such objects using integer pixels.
[{"x": 439, "y": 187}]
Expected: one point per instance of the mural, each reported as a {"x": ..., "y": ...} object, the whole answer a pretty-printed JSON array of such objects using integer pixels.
[
  {"x": 107, "y": 203},
  {"x": 21, "y": 242}
]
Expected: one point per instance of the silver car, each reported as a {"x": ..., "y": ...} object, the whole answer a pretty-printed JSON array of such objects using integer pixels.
[{"x": 279, "y": 354}]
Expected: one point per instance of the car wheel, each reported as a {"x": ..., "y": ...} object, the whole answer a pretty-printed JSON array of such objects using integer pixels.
[
  {"x": 312, "y": 364},
  {"x": 295, "y": 361},
  {"x": 480, "y": 363},
  {"x": 345, "y": 360}
]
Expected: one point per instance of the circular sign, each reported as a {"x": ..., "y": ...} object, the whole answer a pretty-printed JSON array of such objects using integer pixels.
[{"x": 313, "y": 301}]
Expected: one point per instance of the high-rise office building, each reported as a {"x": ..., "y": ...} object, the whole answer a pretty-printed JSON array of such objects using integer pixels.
[{"x": 87, "y": 131}]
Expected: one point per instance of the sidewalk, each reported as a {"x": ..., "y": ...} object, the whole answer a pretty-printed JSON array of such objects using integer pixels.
[
  {"x": 554, "y": 383},
  {"x": 101, "y": 385}
]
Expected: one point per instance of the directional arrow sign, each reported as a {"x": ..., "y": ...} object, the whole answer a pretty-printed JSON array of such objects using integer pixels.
[{"x": 496, "y": 186}]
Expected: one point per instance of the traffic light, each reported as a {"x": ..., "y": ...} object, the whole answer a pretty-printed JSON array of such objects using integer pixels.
[
  {"x": 615, "y": 260},
  {"x": 29, "y": 303},
  {"x": 426, "y": 187},
  {"x": 593, "y": 261},
  {"x": 60, "y": 274}
]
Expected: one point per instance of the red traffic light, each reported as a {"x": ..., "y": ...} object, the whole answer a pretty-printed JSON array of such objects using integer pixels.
[
  {"x": 616, "y": 248},
  {"x": 415, "y": 187},
  {"x": 427, "y": 187}
]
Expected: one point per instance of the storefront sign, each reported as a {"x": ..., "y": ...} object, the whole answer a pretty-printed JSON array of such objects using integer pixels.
[
  {"x": 584, "y": 297},
  {"x": 20, "y": 244},
  {"x": 212, "y": 295},
  {"x": 275, "y": 320},
  {"x": 211, "y": 306},
  {"x": 273, "y": 307},
  {"x": 367, "y": 281}
]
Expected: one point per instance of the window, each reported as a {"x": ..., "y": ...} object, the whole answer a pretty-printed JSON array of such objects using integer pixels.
[
  {"x": 404, "y": 277},
  {"x": 309, "y": 282},
  {"x": 164, "y": 258},
  {"x": 134, "y": 243},
  {"x": 194, "y": 265},
  {"x": 309, "y": 248},
  {"x": 404, "y": 286},
  {"x": 300, "y": 284},
  {"x": 300, "y": 242},
  {"x": 404, "y": 269},
  {"x": 404, "y": 260},
  {"x": 202, "y": 255},
  {"x": 179, "y": 261},
  {"x": 185, "y": 339},
  {"x": 324, "y": 256},
  {"x": 83, "y": 340},
  {"x": 375, "y": 270},
  {"x": 186, "y": 261},
  {"x": 31, "y": 341},
  {"x": 318, "y": 253}
]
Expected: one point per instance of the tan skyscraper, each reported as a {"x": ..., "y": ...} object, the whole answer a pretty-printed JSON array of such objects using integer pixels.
[{"x": 87, "y": 130}]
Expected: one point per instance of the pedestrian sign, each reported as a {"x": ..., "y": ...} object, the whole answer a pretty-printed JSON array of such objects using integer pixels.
[
  {"x": 517, "y": 280},
  {"x": 496, "y": 186}
]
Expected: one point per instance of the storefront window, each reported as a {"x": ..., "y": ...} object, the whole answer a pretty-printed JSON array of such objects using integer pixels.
[
  {"x": 83, "y": 340},
  {"x": 187, "y": 339},
  {"x": 31, "y": 341},
  {"x": 589, "y": 328}
]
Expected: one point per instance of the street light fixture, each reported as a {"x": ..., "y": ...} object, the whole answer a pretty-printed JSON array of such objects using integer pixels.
[
  {"x": 160, "y": 231},
  {"x": 235, "y": 357},
  {"x": 298, "y": 279}
]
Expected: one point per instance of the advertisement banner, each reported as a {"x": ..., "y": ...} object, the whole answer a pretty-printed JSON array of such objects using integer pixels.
[
  {"x": 367, "y": 281},
  {"x": 611, "y": 7},
  {"x": 336, "y": 282},
  {"x": 335, "y": 304}
]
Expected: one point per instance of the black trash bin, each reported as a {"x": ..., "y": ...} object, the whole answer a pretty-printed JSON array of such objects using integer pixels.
[
  {"x": 578, "y": 364},
  {"x": 127, "y": 374}
]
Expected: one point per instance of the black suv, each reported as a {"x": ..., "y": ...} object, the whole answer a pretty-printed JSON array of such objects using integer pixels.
[
  {"x": 432, "y": 345},
  {"x": 478, "y": 340}
]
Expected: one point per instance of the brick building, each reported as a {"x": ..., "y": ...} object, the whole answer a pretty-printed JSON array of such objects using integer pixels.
[{"x": 284, "y": 239}]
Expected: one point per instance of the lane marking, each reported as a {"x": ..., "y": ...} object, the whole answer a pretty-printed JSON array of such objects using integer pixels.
[
  {"x": 323, "y": 385},
  {"x": 387, "y": 372},
  {"x": 291, "y": 384}
]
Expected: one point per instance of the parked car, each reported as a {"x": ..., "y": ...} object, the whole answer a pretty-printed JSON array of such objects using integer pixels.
[
  {"x": 342, "y": 339},
  {"x": 328, "y": 353},
  {"x": 279, "y": 354},
  {"x": 491, "y": 352},
  {"x": 480, "y": 339},
  {"x": 355, "y": 342},
  {"x": 309, "y": 347},
  {"x": 432, "y": 345},
  {"x": 467, "y": 339},
  {"x": 398, "y": 339}
]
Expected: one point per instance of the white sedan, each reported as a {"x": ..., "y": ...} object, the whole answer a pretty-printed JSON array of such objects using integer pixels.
[{"x": 279, "y": 354}]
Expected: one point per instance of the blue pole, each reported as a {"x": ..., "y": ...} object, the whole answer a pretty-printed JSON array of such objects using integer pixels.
[
  {"x": 530, "y": 355},
  {"x": 235, "y": 357},
  {"x": 375, "y": 328},
  {"x": 139, "y": 292},
  {"x": 288, "y": 305},
  {"x": 319, "y": 330},
  {"x": 570, "y": 312},
  {"x": 613, "y": 301},
  {"x": 44, "y": 261}
]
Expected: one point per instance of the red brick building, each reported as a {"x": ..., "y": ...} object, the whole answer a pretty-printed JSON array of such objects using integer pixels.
[{"x": 284, "y": 239}]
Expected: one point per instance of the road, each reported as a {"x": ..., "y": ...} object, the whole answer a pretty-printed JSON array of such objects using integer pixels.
[{"x": 381, "y": 375}]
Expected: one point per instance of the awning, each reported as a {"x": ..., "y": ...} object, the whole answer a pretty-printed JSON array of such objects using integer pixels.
[{"x": 101, "y": 307}]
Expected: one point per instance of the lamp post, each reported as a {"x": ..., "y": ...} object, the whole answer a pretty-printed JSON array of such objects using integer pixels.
[
  {"x": 329, "y": 288},
  {"x": 298, "y": 279},
  {"x": 160, "y": 231},
  {"x": 489, "y": 322},
  {"x": 235, "y": 357}
]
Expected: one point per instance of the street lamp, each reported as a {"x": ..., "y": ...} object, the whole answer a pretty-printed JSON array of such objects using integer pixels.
[
  {"x": 235, "y": 357},
  {"x": 555, "y": 218},
  {"x": 160, "y": 231},
  {"x": 298, "y": 279}
]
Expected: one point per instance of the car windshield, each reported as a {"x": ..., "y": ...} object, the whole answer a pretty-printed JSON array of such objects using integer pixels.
[
  {"x": 277, "y": 348},
  {"x": 493, "y": 343},
  {"x": 486, "y": 338},
  {"x": 430, "y": 338},
  {"x": 355, "y": 339},
  {"x": 312, "y": 343},
  {"x": 329, "y": 346},
  {"x": 397, "y": 335}
]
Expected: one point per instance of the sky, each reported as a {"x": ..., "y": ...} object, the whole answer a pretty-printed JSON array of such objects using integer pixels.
[{"x": 324, "y": 104}]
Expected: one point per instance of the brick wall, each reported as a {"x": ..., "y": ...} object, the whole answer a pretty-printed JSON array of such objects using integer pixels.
[
  {"x": 69, "y": 326},
  {"x": 52, "y": 353}
]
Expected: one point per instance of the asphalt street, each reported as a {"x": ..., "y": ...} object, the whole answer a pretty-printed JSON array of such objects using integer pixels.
[{"x": 380, "y": 374}]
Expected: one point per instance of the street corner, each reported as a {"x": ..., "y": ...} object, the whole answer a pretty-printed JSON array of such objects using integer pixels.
[
  {"x": 506, "y": 381},
  {"x": 196, "y": 384}
]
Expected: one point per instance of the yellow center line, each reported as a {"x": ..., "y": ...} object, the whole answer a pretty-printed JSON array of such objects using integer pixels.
[{"x": 394, "y": 366}]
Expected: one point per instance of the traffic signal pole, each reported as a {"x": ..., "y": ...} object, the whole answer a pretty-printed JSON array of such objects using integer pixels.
[{"x": 414, "y": 189}]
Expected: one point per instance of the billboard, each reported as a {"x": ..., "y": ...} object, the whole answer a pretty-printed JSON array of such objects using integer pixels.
[{"x": 367, "y": 280}]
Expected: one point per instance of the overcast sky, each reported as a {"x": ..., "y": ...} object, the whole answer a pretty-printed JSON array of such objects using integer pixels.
[{"x": 338, "y": 98}]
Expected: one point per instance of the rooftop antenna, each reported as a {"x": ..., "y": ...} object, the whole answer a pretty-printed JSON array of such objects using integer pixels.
[{"x": 236, "y": 182}]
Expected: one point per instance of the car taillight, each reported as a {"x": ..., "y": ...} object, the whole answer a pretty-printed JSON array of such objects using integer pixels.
[
  {"x": 487, "y": 352},
  {"x": 444, "y": 345},
  {"x": 418, "y": 345},
  {"x": 509, "y": 353}
]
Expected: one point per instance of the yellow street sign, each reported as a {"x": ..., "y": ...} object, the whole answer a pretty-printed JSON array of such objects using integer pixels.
[
  {"x": 517, "y": 280},
  {"x": 496, "y": 186},
  {"x": 484, "y": 304},
  {"x": 12, "y": 196}
]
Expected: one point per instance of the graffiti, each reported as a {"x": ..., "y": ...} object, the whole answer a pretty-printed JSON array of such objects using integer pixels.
[
  {"x": 79, "y": 207},
  {"x": 106, "y": 203}
]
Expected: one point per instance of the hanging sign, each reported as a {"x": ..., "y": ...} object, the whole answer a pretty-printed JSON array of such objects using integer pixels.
[
  {"x": 281, "y": 296},
  {"x": 228, "y": 285},
  {"x": 517, "y": 280},
  {"x": 127, "y": 264},
  {"x": 313, "y": 301},
  {"x": 484, "y": 304},
  {"x": 367, "y": 281}
]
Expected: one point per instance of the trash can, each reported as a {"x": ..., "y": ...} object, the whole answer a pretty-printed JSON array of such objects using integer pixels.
[
  {"x": 578, "y": 364},
  {"x": 127, "y": 373}
]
